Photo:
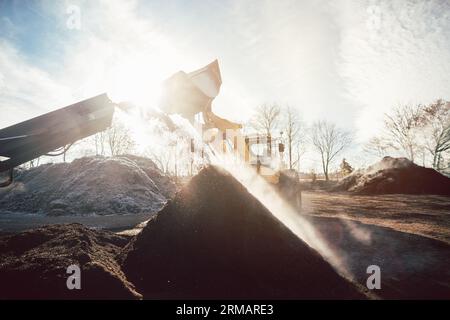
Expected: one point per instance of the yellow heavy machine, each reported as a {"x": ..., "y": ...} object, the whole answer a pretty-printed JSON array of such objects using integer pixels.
[
  {"x": 191, "y": 94},
  {"x": 187, "y": 94}
]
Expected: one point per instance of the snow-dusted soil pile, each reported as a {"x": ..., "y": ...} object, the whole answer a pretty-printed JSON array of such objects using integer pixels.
[
  {"x": 90, "y": 185},
  {"x": 395, "y": 175}
]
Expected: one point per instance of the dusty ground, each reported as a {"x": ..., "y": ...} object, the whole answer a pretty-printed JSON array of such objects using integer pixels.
[
  {"x": 425, "y": 215},
  {"x": 407, "y": 236},
  {"x": 17, "y": 222}
]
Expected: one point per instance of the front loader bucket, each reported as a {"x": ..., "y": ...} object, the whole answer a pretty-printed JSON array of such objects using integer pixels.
[
  {"x": 30, "y": 139},
  {"x": 190, "y": 93}
]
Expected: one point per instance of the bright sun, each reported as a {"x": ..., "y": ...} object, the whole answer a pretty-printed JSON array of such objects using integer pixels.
[{"x": 136, "y": 80}]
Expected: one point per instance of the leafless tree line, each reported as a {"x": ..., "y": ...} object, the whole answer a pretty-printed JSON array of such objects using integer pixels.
[
  {"x": 329, "y": 141},
  {"x": 325, "y": 137},
  {"x": 271, "y": 119},
  {"x": 416, "y": 131},
  {"x": 115, "y": 140}
]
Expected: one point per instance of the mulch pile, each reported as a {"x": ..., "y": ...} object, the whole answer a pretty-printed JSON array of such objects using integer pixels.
[
  {"x": 395, "y": 176},
  {"x": 215, "y": 240},
  {"x": 33, "y": 264}
]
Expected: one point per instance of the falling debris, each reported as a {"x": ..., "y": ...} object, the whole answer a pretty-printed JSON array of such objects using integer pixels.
[
  {"x": 395, "y": 175},
  {"x": 90, "y": 185},
  {"x": 34, "y": 264},
  {"x": 215, "y": 240}
]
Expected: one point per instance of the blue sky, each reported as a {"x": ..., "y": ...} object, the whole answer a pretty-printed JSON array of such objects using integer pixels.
[
  {"x": 345, "y": 61},
  {"x": 25, "y": 26}
]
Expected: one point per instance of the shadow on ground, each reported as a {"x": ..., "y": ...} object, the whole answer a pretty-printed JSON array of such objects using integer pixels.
[{"x": 412, "y": 266}]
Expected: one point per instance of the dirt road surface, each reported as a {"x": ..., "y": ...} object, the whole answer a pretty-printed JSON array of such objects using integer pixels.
[{"x": 408, "y": 237}]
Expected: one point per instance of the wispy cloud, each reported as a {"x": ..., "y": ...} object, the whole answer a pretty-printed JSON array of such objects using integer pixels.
[
  {"x": 393, "y": 52},
  {"x": 26, "y": 90},
  {"x": 347, "y": 61}
]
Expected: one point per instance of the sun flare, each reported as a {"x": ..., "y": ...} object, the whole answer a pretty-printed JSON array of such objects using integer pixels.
[{"x": 136, "y": 80}]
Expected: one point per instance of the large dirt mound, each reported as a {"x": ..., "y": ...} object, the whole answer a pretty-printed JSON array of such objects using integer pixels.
[
  {"x": 33, "y": 264},
  {"x": 215, "y": 240},
  {"x": 90, "y": 185},
  {"x": 395, "y": 175}
]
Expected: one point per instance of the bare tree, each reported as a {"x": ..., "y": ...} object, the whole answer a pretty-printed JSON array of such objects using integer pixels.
[
  {"x": 295, "y": 136},
  {"x": 329, "y": 141},
  {"x": 171, "y": 159},
  {"x": 378, "y": 146},
  {"x": 292, "y": 130},
  {"x": 435, "y": 125},
  {"x": 119, "y": 139},
  {"x": 100, "y": 143},
  {"x": 266, "y": 118},
  {"x": 300, "y": 150},
  {"x": 161, "y": 159},
  {"x": 401, "y": 126}
]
